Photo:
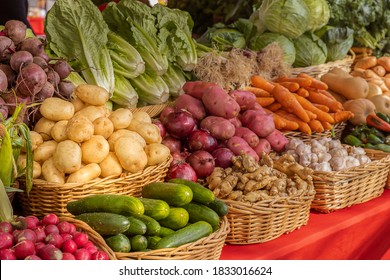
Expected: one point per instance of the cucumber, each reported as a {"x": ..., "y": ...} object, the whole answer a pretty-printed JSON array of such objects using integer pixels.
[
  {"x": 118, "y": 243},
  {"x": 199, "y": 212},
  {"x": 201, "y": 194},
  {"x": 136, "y": 226},
  {"x": 177, "y": 218},
  {"x": 138, "y": 243},
  {"x": 110, "y": 203},
  {"x": 105, "y": 223},
  {"x": 152, "y": 241},
  {"x": 185, "y": 235},
  {"x": 164, "y": 231},
  {"x": 156, "y": 208},
  {"x": 219, "y": 206},
  {"x": 152, "y": 226},
  {"x": 172, "y": 193}
]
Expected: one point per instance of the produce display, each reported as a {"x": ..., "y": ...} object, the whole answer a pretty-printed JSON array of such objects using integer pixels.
[{"x": 168, "y": 215}]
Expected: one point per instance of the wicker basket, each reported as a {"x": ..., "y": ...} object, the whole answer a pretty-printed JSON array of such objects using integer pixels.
[
  {"x": 48, "y": 197},
  {"x": 266, "y": 220},
  {"x": 338, "y": 131},
  {"x": 317, "y": 71},
  {"x": 376, "y": 154},
  {"x": 340, "y": 189},
  {"x": 207, "y": 248},
  {"x": 152, "y": 110},
  {"x": 93, "y": 236}
]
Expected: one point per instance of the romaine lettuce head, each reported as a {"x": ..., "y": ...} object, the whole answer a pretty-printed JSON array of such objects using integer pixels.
[
  {"x": 319, "y": 14},
  {"x": 310, "y": 50},
  {"x": 263, "y": 40},
  {"x": 287, "y": 17}
]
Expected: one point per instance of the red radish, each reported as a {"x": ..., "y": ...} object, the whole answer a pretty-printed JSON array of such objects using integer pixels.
[
  {"x": 90, "y": 247},
  {"x": 201, "y": 139},
  {"x": 51, "y": 229},
  {"x": 26, "y": 234},
  {"x": 100, "y": 255},
  {"x": 72, "y": 228},
  {"x": 180, "y": 124},
  {"x": 69, "y": 246},
  {"x": 161, "y": 127},
  {"x": 172, "y": 143},
  {"x": 6, "y": 240},
  {"x": 50, "y": 252},
  {"x": 66, "y": 236},
  {"x": 7, "y": 254},
  {"x": 16, "y": 232},
  {"x": 50, "y": 219},
  {"x": 38, "y": 246},
  {"x": 40, "y": 233},
  {"x": 80, "y": 238},
  {"x": 182, "y": 170},
  {"x": 31, "y": 222},
  {"x": 82, "y": 254},
  {"x": 202, "y": 162},
  {"x": 24, "y": 249},
  {"x": 68, "y": 257},
  {"x": 164, "y": 113},
  {"x": 64, "y": 227},
  {"x": 32, "y": 257},
  {"x": 6, "y": 227},
  {"x": 223, "y": 157},
  {"x": 55, "y": 239}
]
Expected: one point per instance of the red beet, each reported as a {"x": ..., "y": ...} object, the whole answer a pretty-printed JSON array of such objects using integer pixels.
[
  {"x": 6, "y": 227},
  {"x": 6, "y": 240},
  {"x": 3, "y": 81},
  {"x": 82, "y": 254},
  {"x": 32, "y": 257},
  {"x": 100, "y": 255},
  {"x": 32, "y": 45},
  {"x": 51, "y": 229},
  {"x": 81, "y": 239},
  {"x": 68, "y": 256},
  {"x": 15, "y": 30},
  {"x": 30, "y": 80},
  {"x": 7, "y": 254},
  {"x": 50, "y": 219},
  {"x": 55, "y": 239},
  {"x": 20, "y": 59},
  {"x": 24, "y": 249},
  {"x": 26, "y": 234},
  {"x": 50, "y": 252},
  {"x": 62, "y": 67},
  {"x": 69, "y": 246},
  {"x": 40, "y": 233},
  {"x": 64, "y": 227}
]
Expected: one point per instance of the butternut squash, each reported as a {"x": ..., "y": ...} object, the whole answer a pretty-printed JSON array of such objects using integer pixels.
[
  {"x": 360, "y": 108},
  {"x": 382, "y": 103},
  {"x": 348, "y": 86}
]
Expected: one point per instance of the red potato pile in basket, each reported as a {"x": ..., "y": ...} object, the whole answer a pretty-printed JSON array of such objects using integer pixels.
[
  {"x": 47, "y": 239},
  {"x": 207, "y": 126}
]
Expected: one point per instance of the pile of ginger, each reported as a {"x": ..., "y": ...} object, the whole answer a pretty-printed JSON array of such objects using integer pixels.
[{"x": 251, "y": 181}]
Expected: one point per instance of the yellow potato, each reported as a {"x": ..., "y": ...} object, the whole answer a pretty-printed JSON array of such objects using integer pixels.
[
  {"x": 121, "y": 118},
  {"x": 124, "y": 132},
  {"x": 110, "y": 166},
  {"x": 77, "y": 103},
  {"x": 103, "y": 126},
  {"x": 95, "y": 149},
  {"x": 58, "y": 132},
  {"x": 56, "y": 109},
  {"x": 51, "y": 173},
  {"x": 93, "y": 112},
  {"x": 131, "y": 154},
  {"x": 92, "y": 94},
  {"x": 142, "y": 116},
  {"x": 149, "y": 131},
  {"x": 67, "y": 156},
  {"x": 85, "y": 174},
  {"x": 45, "y": 150},
  {"x": 36, "y": 139},
  {"x": 79, "y": 129},
  {"x": 22, "y": 163},
  {"x": 157, "y": 153},
  {"x": 43, "y": 127}
]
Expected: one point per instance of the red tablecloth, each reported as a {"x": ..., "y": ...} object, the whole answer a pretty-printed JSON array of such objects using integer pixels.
[{"x": 360, "y": 232}]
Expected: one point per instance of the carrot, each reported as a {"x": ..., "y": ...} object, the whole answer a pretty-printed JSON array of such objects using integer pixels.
[
  {"x": 342, "y": 116},
  {"x": 314, "y": 82},
  {"x": 274, "y": 106},
  {"x": 311, "y": 115},
  {"x": 280, "y": 123},
  {"x": 302, "y": 126},
  {"x": 265, "y": 101},
  {"x": 327, "y": 126},
  {"x": 303, "y": 92},
  {"x": 260, "y": 82},
  {"x": 327, "y": 94},
  {"x": 291, "y": 86},
  {"x": 321, "y": 115},
  {"x": 258, "y": 91},
  {"x": 287, "y": 99},
  {"x": 319, "y": 98},
  {"x": 303, "y": 82},
  {"x": 321, "y": 107},
  {"x": 316, "y": 126}
]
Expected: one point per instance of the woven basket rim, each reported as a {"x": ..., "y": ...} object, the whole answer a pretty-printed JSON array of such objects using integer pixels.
[{"x": 219, "y": 234}]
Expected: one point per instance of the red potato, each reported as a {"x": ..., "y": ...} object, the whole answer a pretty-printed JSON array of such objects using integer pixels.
[
  {"x": 218, "y": 103},
  {"x": 248, "y": 135},
  {"x": 192, "y": 105},
  {"x": 239, "y": 146},
  {"x": 236, "y": 121},
  {"x": 197, "y": 88},
  {"x": 277, "y": 140},
  {"x": 262, "y": 146},
  {"x": 261, "y": 124},
  {"x": 245, "y": 99},
  {"x": 220, "y": 128}
]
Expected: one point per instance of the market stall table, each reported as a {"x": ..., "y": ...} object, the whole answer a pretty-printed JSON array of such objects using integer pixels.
[{"x": 360, "y": 232}]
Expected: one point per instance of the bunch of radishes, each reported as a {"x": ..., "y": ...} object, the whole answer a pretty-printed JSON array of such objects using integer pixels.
[
  {"x": 27, "y": 73},
  {"x": 29, "y": 238}
]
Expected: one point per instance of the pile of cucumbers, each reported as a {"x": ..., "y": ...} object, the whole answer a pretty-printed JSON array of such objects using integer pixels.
[{"x": 168, "y": 215}]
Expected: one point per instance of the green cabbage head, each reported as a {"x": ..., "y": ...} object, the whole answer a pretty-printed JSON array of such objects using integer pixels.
[
  {"x": 319, "y": 14},
  {"x": 310, "y": 50}
]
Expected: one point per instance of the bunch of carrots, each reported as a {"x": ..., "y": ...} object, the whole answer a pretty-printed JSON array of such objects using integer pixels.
[{"x": 300, "y": 103}]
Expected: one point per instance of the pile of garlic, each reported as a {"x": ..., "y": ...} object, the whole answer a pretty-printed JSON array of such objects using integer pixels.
[{"x": 326, "y": 154}]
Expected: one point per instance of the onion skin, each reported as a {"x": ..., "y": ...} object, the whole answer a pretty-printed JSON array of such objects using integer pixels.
[
  {"x": 183, "y": 171},
  {"x": 201, "y": 139},
  {"x": 223, "y": 157},
  {"x": 202, "y": 162},
  {"x": 179, "y": 124}
]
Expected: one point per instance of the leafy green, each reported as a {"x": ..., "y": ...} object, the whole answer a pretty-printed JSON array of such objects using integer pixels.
[
  {"x": 223, "y": 38},
  {"x": 310, "y": 50},
  {"x": 6, "y": 210},
  {"x": 319, "y": 14},
  {"x": 175, "y": 79},
  {"x": 151, "y": 89},
  {"x": 76, "y": 30},
  {"x": 338, "y": 41},
  {"x": 124, "y": 93}
]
